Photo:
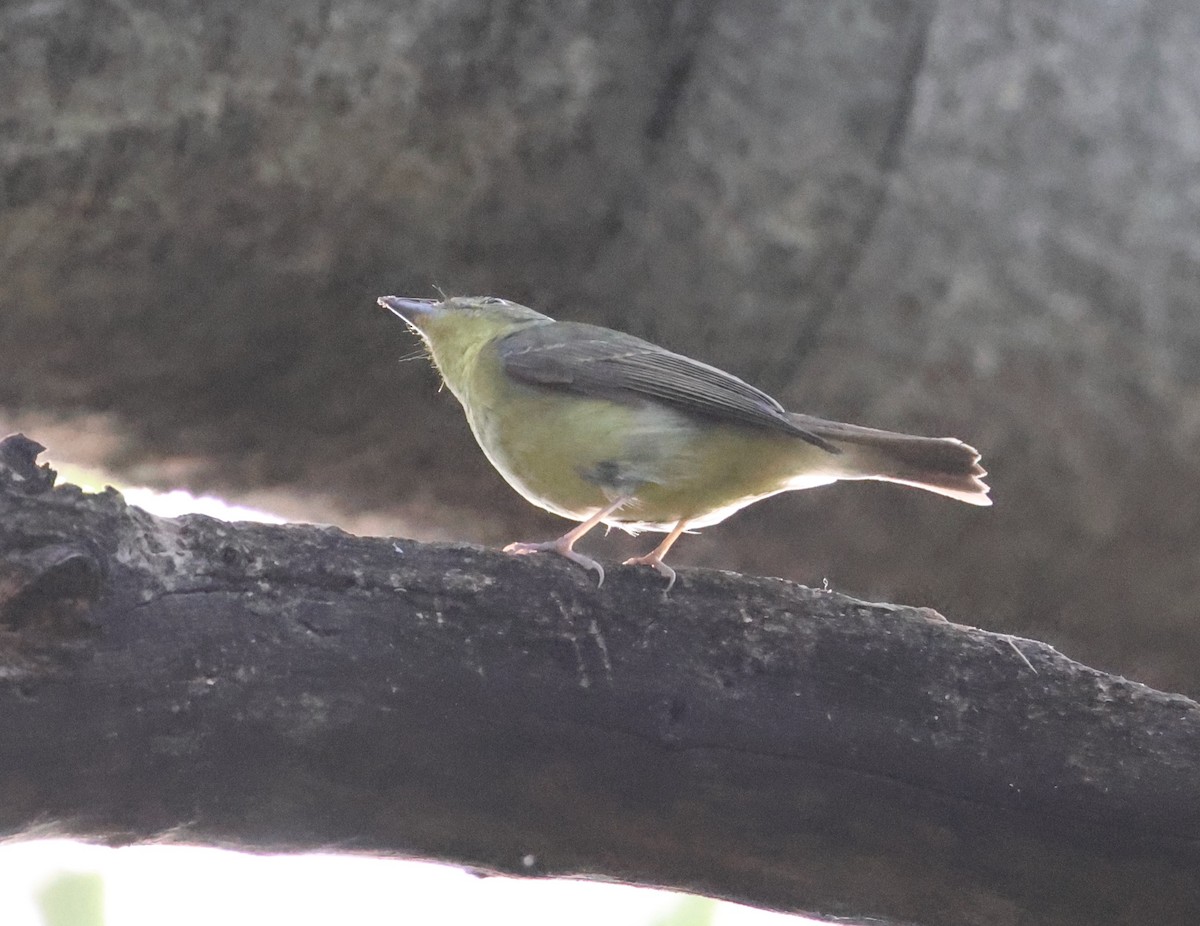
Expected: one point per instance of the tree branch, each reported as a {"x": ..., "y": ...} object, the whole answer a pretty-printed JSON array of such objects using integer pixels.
[{"x": 296, "y": 688}]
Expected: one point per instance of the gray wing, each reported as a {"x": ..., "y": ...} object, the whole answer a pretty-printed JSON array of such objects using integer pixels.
[{"x": 589, "y": 360}]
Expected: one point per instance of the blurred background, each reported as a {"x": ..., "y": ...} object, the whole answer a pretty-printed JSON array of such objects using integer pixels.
[{"x": 979, "y": 220}]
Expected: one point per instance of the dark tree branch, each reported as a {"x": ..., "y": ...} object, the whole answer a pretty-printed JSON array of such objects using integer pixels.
[{"x": 296, "y": 688}]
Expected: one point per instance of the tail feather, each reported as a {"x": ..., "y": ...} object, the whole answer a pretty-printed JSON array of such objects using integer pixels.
[{"x": 943, "y": 465}]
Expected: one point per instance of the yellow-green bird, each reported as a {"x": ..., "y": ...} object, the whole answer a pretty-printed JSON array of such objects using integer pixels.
[{"x": 605, "y": 428}]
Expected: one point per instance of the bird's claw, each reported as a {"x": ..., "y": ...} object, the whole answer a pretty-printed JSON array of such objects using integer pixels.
[
  {"x": 656, "y": 564},
  {"x": 562, "y": 549}
]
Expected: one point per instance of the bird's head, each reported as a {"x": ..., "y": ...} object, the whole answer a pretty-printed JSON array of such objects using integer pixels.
[
  {"x": 460, "y": 316},
  {"x": 455, "y": 329}
]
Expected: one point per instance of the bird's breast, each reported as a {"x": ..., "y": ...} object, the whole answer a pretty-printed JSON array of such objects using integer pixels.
[{"x": 573, "y": 455}]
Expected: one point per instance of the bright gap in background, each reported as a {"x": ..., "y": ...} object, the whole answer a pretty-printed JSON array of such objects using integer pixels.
[{"x": 188, "y": 886}]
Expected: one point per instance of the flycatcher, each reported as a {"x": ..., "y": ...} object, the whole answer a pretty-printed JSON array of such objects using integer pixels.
[{"x": 605, "y": 428}]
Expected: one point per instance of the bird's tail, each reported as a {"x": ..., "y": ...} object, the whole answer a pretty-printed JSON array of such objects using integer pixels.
[{"x": 937, "y": 464}]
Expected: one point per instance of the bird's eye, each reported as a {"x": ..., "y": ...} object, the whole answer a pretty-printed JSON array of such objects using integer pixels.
[{"x": 492, "y": 300}]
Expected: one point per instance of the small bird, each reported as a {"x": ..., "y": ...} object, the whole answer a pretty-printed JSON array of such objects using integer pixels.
[{"x": 605, "y": 428}]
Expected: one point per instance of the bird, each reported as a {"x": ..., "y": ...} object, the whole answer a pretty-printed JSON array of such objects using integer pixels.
[{"x": 602, "y": 427}]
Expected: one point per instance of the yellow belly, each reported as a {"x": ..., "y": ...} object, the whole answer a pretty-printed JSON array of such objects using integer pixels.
[{"x": 573, "y": 456}]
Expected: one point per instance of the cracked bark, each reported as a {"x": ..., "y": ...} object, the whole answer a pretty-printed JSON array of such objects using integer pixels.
[
  {"x": 296, "y": 688},
  {"x": 888, "y": 161},
  {"x": 689, "y": 21}
]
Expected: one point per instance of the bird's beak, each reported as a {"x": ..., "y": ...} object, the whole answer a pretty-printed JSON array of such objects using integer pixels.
[{"x": 413, "y": 311}]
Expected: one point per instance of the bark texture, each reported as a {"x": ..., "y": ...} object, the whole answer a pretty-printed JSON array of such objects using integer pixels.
[
  {"x": 296, "y": 688},
  {"x": 977, "y": 220}
]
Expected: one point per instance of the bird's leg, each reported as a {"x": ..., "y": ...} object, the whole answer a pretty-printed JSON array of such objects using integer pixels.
[
  {"x": 564, "y": 545},
  {"x": 655, "y": 557}
]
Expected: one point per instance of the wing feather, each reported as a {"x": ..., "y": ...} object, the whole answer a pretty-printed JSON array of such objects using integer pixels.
[{"x": 594, "y": 361}]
